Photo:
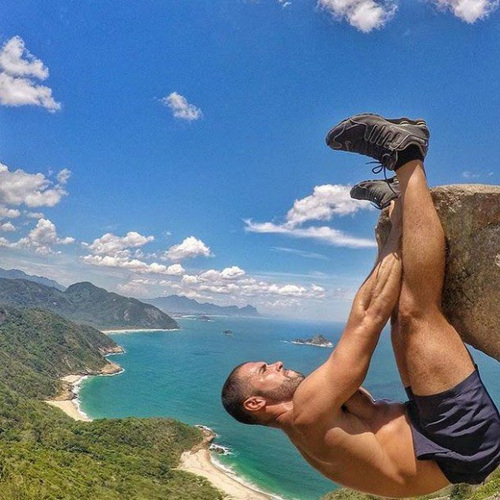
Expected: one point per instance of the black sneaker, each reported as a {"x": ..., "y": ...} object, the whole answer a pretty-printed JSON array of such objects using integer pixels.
[
  {"x": 378, "y": 137},
  {"x": 379, "y": 192}
]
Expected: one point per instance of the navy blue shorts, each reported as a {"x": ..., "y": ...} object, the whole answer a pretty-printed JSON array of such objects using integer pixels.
[{"x": 459, "y": 429}]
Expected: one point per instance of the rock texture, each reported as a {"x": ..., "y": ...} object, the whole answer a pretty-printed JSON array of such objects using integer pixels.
[{"x": 470, "y": 214}]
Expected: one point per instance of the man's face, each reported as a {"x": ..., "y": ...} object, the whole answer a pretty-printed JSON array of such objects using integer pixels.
[{"x": 273, "y": 381}]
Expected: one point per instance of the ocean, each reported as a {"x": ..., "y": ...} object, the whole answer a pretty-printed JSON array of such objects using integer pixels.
[{"x": 179, "y": 374}]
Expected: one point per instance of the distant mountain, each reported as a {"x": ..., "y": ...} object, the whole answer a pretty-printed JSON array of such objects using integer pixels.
[
  {"x": 16, "y": 274},
  {"x": 85, "y": 303},
  {"x": 184, "y": 305}
]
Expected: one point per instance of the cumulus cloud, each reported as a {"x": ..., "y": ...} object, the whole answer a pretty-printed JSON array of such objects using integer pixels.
[
  {"x": 325, "y": 202},
  {"x": 8, "y": 213},
  {"x": 113, "y": 246},
  {"x": 364, "y": 15},
  {"x": 469, "y": 11},
  {"x": 233, "y": 280},
  {"x": 7, "y": 227},
  {"x": 111, "y": 250},
  {"x": 134, "y": 265},
  {"x": 41, "y": 239},
  {"x": 181, "y": 108},
  {"x": 18, "y": 70},
  {"x": 33, "y": 190},
  {"x": 189, "y": 248}
]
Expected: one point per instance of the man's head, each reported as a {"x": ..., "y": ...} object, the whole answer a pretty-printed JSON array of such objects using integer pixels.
[{"x": 253, "y": 387}]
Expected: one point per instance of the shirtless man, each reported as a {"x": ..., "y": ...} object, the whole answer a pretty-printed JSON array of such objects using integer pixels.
[{"x": 449, "y": 430}]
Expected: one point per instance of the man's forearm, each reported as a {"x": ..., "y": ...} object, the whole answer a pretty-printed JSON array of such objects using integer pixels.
[{"x": 379, "y": 293}]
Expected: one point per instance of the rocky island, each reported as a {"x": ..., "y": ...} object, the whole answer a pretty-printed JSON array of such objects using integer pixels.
[{"x": 317, "y": 340}]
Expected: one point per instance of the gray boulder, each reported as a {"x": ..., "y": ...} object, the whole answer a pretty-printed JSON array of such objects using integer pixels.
[{"x": 470, "y": 214}]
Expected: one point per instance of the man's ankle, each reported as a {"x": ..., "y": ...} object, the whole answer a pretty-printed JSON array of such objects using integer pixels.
[{"x": 409, "y": 154}]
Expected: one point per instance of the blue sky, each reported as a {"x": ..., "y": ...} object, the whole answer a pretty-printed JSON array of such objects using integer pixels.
[{"x": 178, "y": 147}]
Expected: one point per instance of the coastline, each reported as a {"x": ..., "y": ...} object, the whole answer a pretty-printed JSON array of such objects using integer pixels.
[
  {"x": 197, "y": 461},
  {"x": 67, "y": 400},
  {"x": 137, "y": 330}
]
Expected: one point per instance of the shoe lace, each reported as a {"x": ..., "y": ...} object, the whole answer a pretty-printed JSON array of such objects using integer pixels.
[{"x": 379, "y": 167}]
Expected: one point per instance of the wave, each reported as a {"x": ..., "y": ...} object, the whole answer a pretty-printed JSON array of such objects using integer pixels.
[{"x": 229, "y": 471}]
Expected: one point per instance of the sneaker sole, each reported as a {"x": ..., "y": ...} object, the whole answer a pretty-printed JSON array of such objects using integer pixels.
[{"x": 396, "y": 121}]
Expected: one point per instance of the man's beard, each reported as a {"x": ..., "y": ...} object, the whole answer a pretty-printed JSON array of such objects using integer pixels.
[{"x": 286, "y": 390}]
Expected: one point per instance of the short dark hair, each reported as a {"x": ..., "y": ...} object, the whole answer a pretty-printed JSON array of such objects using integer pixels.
[{"x": 234, "y": 393}]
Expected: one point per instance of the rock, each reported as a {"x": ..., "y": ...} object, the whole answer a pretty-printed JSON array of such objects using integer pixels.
[
  {"x": 317, "y": 340},
  {"x": 470, "y": 214}
]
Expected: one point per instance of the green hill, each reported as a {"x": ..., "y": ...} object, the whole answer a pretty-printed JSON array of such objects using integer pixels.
[
  {"x": 85, "y": 303},
  {"x": 46, "y": 455}
]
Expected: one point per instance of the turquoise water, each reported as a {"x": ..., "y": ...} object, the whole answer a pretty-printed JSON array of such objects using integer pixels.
[{"x": 179, "y": 374}]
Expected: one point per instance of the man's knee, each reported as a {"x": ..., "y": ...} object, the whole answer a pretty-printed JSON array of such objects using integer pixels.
[{"x": 413, "y": 313}]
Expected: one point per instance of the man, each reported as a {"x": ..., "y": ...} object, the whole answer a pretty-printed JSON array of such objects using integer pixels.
[{"x": 449, "y": 430}]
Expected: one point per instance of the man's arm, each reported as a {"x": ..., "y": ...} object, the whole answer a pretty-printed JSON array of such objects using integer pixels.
[{"x": 334, "y": 382}]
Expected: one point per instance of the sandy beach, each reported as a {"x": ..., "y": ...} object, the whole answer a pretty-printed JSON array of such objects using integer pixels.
[
  {"x": 200, "y": 463},
  {"x": 67, "y": 401},
  {"x": 138, "y": 330},
  {"x": 197, "y": 461}
]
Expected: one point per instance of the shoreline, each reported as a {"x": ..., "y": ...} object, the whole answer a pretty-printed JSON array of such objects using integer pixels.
[
  {"x": 197, "y": 461},
  {"x": 138, "y": 330},
  {"x": 67, "y": 400}
]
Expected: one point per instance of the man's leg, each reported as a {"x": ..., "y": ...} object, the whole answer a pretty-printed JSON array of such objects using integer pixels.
[{"x": 430, "y": 354}]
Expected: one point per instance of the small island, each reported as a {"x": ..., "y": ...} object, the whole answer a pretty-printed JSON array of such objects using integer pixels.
[{"x": 317, "y": 340}]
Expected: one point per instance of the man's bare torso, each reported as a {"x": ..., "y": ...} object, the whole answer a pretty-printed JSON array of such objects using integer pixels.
[{"x": 367, "y": 446}]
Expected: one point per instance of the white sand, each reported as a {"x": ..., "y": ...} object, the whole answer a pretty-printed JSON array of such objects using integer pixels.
[
  {"x": 200, "y": 463},
  {"x": 71, "y": 409},
  {"x": 69, "y": 405},
  {"x": 138, "y": 330}
]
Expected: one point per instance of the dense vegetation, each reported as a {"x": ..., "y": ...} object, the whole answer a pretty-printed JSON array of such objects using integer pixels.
[
  {"x": 85, "y": 303},
  {"x": 46, "y": 455},
  {"x": 488, "y": 490}
]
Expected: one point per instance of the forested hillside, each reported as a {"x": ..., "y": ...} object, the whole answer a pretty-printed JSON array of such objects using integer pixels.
[
  {"x": 85, "y": 303},
  {"x": 46, "y": 455}
]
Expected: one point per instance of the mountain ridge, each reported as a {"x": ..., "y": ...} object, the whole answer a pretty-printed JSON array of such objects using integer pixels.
[
  {"x": 17, "y": 274},
  {"x": 184, "y": 305},
  {"x": 86, "y": 303}
]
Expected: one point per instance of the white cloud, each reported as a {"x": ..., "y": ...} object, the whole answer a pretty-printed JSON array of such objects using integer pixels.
[
  {"x": 231, "y": 273},
  {"x": 233, "y": 280},
  {"x": 63, "y": 176},
  {"x": 469, "y": 11},
  {"x": 115, "y": 251},
  {"x": 112, "y": 245},
  {"x": 34, "y": 190},
  {"x": 364, "y": 15},
  {"x": 175, "y": 270},
  {"x": 34, "y": 215},
  {"x": 135, "y": 265},
  {"x": 8, "y": 213},
  {"x": 189, "y": 248},
  {"x": 42, "y": 238},
  {"x": 323, "y": 234},
  {"x": 18, "y": 68},
  {"x": 325, "y": 201},
  {"x": 181, "y": 108},
  {"x": 7, "y": 227}
]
